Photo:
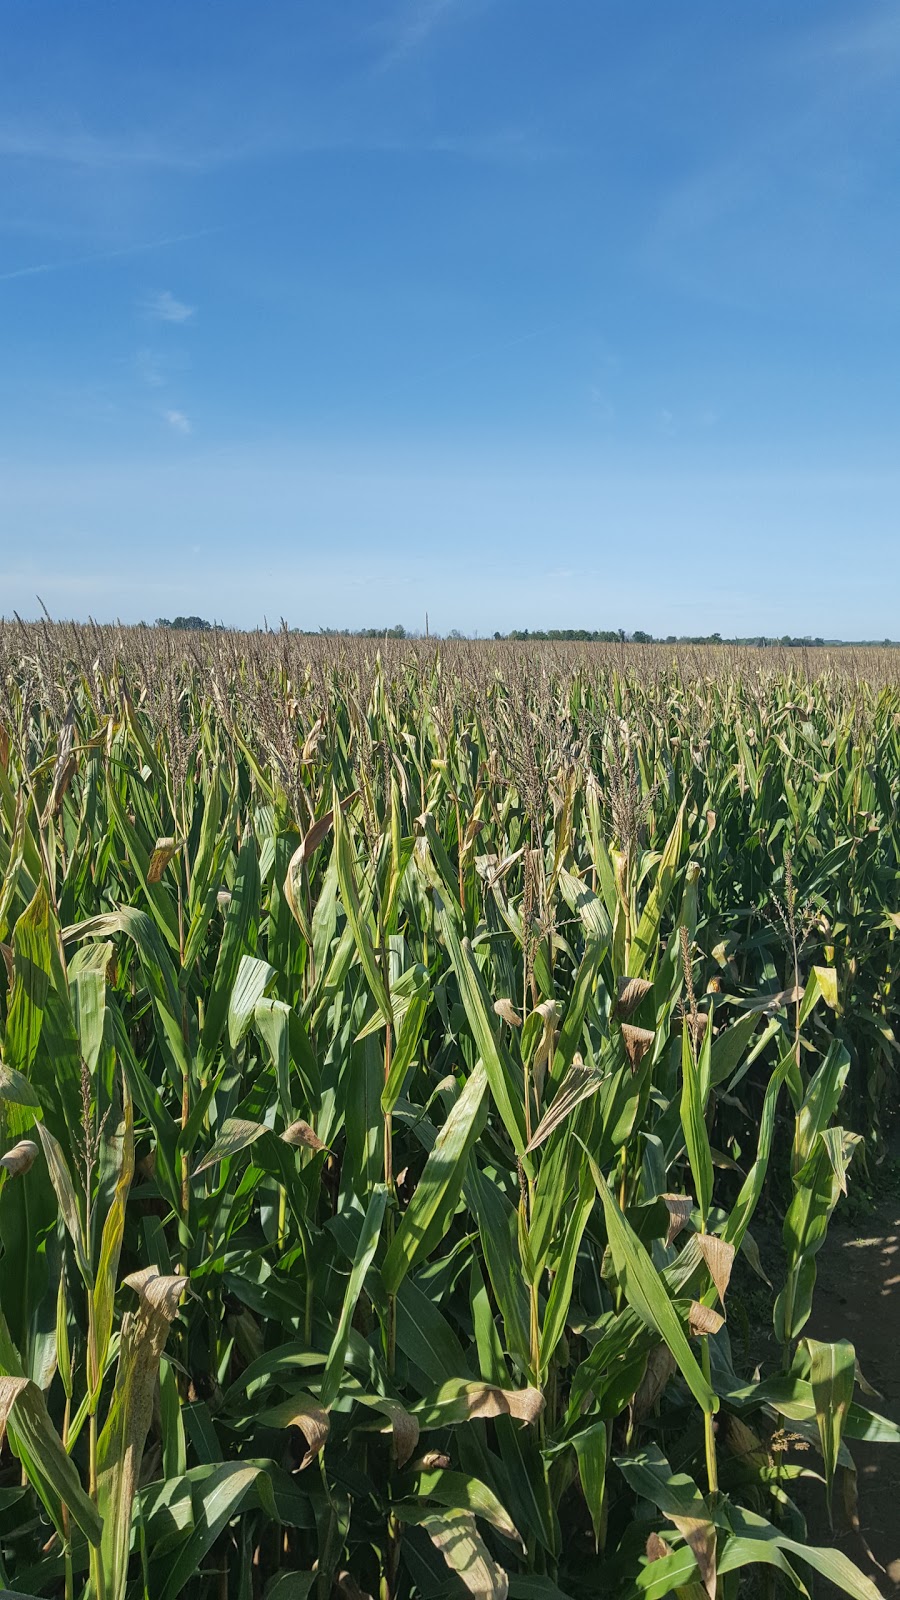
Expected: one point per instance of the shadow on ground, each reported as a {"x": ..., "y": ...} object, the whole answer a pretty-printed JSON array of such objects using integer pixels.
[{"x": 858, "y": 1298}]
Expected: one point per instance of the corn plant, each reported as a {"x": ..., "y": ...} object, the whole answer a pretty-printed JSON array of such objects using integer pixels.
[{"x": 397, "y": 1046}]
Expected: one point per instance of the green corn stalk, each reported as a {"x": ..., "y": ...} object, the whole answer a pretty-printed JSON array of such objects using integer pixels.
[{"x": 371, "y": 979}]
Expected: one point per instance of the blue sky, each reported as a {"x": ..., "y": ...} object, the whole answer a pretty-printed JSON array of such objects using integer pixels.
[{"x": 520, "y": 313}]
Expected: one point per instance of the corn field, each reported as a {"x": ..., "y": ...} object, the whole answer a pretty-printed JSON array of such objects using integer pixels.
[{"x": 398, "y": 1043}]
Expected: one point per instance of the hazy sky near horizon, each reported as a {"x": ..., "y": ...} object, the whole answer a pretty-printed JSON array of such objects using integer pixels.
[{"x": 519, "y": 313}]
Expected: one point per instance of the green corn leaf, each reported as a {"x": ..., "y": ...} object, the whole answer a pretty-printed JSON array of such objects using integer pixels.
[
  {"x": 728, "y": 1048},
  {"x": 591, "y": 1450},
  {"x": 242, "y": 909},
  {"x": 65, "y": 1194},
  {"x": 111, "y": 1241},
  {"x": 237, "y": 1134},
  {"x": 678, "y": 1498},
  {"x": 560, "y": 1296},
  {"x": 641, "y": 959},
  {"x": 461, "y": 1491},
  {"x": 671, "y": 1574},
  {"x": 832, "y": 1565},
  {"x": 647, "y": 1293},
  {"x": 588, "y": 906},
  {"x": 735, "y": 1229},
  {"x": 31, "y": 981},
  {"x": 150, "y": 1103},
  {"x": 693, "y": 1123},
  {"x": 158, "y": 972},
  {"x": 362, "y": 937},
  {"x": 505, "y": 1091},
  {"x": 252, "y": 980},
  {"x": 499, "y": 1233},
  {"x": 158, "y": 896},
  {"x": 272, "y": 1021},
  {"x": 455, "y": 1535},
  {"x": 23, "y": 1413},
  {"x": 87, "y": 992},
  {"x": 120, "y": 1447},
  {"x": 367, "y": 1244},
  {"x": 832, "y": 1376},
  {"x": 426, "y": 1336},
  {"x": 436, "y": 1196},
  {"x": 823, "y": 985},
  {"x": 741, "y": 1551},
  {"x": 17, "y": 1091},
  {"x": 407, "y": 1043},
  {"x": 820, "y": 1101},
  {"x": 816, "y": 1191},
  {"x": 214, "y": 1502},
  {"x": 573, "y": 1021}
]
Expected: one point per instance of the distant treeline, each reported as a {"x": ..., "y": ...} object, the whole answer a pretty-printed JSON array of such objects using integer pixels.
[{"x": 760, "y": 641}]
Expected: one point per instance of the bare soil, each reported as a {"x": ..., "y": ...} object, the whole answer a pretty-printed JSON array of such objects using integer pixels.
[{"x": 858, "y": 1297}]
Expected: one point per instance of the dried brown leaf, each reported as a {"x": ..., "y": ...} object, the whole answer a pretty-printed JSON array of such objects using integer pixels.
[
  {"x": 455, "y": 1535},
  {"x": 311, "y": 742},
  {"x": 300, "y": 1133},
  {"x": 656, "y": 1547},
  {"x": 631, "y": 991},
  {"x": 121, "y": 1445},
  {"x": 506, "y": 1010},
  {"x": 10, "y": 1389},
  {"x": 637, "y": 1042},
  {"x": 488, "y": 1400},
  {"x": 164, "y": 851},
  {"x": 310, "y": 842},
  {"x": 741, "y": 1441},
  {"x": 403, "y": 1425},
  {"x": 701, "y": 1537},
  {"x": 303, "y": 1412},
  {"x": 660, "y": 1365},
  {"x": 719, "y": 1257},
  {"x": 703, "y": 1319},
  {"x": 19, "y": 1158},
  {"x": 679, "y": 1207},
  {"x": 769, "y": 1003}
]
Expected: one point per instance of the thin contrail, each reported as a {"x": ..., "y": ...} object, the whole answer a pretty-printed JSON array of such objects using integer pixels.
[{"x": 41, "y": 267}]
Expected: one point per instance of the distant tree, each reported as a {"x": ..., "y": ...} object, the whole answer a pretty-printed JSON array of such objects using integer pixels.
[
  {"x": 640, "y": 637},
  {"x": 185, "y": 624}
]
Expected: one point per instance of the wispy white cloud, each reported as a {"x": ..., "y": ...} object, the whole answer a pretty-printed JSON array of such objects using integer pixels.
[
  {"x": 178, "y": 421},
  {"x": 150, "y": 369},
  {"x": 867, "y": 45},
  {"x": 410, "y": 28},
  {"x": 503, "y": 145},
  {"x": 164, "y": 307},
  {"x": 38, "y": 268},
  {"x": 78, "y": 147}
]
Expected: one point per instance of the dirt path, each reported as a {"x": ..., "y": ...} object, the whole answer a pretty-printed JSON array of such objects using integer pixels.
[{"x": 858, "y": 1297}]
